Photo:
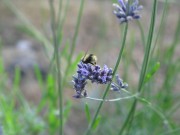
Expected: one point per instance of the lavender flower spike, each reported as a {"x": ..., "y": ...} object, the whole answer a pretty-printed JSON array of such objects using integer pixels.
[
  {"x": 94, "y": 73},
  {"x": 119, "y": 85},
  {"x": 126, "y": 11}
]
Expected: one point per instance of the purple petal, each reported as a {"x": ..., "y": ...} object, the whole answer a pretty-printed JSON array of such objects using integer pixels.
[{"x": 122, "y": 3}]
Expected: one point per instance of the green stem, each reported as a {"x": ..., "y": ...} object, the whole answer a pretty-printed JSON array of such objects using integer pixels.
[
  {"x": 59, "y": 11},
  {"x": 73, "y": 41},
  {"x": 60, "y": 25},
  {"x": 142, "y": 33},
  {"x": 156, "y": 110},
  {"x": 130, "y": 116},
  {"x": 107, "y": 88},
  {"x": 162, "y": 25},
  {"x": 58, "y": 63}
]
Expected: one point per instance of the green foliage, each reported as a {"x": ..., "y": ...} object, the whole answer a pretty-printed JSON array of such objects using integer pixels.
[
  {"x": 87, "y": 111},
  {"x": 152, "y": 71},
  {"x": 97, "y": 122}
]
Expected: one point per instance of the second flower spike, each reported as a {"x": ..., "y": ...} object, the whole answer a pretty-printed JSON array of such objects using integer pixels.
[{"x": 126, "y": 10}]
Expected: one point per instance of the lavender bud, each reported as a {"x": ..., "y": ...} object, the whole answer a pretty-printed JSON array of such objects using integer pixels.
[{"x": 119, "y": 84}]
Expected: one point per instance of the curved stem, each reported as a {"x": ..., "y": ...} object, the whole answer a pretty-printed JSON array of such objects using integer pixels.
[
  {"x": 143, "y": 100},
  {"x": 112, "y": 100},
  {"x": 107, "y": 88},
  {"x": 156, "y": 110}
]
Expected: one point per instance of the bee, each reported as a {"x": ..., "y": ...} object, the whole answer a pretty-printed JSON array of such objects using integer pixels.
[{"x": 89, "y": 58}]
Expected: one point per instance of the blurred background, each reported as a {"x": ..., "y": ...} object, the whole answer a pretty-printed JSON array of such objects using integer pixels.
[{"x": 100, "y": 34}]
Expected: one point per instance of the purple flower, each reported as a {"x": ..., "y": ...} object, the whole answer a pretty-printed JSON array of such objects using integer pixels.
[
  {"x": 94, "y": 73},
  {"x": 84, "y": 69},
  {"x": 79, "y": 85},
  {"x": 126, "y": 11},
  {"x": 105, "y": 75},
  {"x": 119, "y": 84}
]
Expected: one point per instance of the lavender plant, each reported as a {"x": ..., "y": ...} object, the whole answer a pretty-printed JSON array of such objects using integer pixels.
[
  {"x": 125, "y": 12},
  {"x": 86, "y": 73}
]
